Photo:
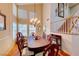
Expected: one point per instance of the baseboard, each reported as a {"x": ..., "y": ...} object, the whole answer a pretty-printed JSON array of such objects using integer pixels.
[
  {"x": 64, "y": 53},
  {"x": 13, "y": 48}
]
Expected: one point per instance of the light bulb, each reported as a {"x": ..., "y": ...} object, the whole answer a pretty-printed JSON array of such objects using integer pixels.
[
  {"x": 38, "y": 21},
  {"x": 35, "y": 19},
  {"x": 32, "y": 20}
]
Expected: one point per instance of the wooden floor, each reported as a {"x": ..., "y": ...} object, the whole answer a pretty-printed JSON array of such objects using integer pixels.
[{"x": 15, "y": 52}]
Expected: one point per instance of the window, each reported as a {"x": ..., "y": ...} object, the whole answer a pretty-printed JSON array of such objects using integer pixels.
[
  {"x": 23, "y": 29},
  {"x": 14, "y": 30},
  {"x": 31, "y": 29}
]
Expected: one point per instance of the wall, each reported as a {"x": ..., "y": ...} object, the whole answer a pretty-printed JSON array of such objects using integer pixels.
[
  {"x": 67, "y": 43},
  {"x": 74, "y": 10},
  {"x": 32, "y": 8},
  {"x": 75, "y": 45},
  {"x": 47, "y": 18},
  {"x": 70, "y": 44},
  {"x": 49, "y": 11},
  {"x": 75, "y": 37},
  {"x": 6, "y": 40},
  {"x": 58, "y": 21}
]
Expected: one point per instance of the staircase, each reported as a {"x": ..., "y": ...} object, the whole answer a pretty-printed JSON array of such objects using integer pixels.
[{"x": 68, "y": 25}]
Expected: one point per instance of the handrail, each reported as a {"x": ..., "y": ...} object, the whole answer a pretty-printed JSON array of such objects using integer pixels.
[
  {"x": 73, "y": 24},
  {"x": 69, "y": 24},
  {"x": 64, "y": 22},
  {"x": 62, "y": 19}
]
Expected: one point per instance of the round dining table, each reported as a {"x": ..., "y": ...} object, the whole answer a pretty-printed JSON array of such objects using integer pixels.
[{"x": 37, "y": 45}]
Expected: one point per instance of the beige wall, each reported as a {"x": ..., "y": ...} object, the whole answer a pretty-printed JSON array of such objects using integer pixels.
[
  {"x": 6, "y": 40},
  {"x": 47, "y": 18}
]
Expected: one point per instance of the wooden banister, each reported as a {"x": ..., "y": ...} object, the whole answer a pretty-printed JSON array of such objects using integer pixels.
[
  {"x": 69, "y": 24},
  {"x": 73, "y": 24}
]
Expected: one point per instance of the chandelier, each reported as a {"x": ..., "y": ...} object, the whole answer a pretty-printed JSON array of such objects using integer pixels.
[{"x": 35, "y": 21}]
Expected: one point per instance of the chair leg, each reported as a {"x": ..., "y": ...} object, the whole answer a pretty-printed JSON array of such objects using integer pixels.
[{"x": 20, "y": 53}]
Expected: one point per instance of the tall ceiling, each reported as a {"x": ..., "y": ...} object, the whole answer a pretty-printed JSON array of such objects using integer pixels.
[
  {"x": 26, "y": 11},
  {"x": 28, "y": 6},
  {"x": 72, "y": 4}
]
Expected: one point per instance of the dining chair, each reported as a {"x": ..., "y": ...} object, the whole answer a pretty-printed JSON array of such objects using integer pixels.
[
  {"x": 21, "y": 42},
  {"x": 58, "y": 40},
  {"x": 51, "y": 50},
  {"x": 50, "y": 38}
]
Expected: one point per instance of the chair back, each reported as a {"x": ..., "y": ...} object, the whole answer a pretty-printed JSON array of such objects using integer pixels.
[
  {"x": 51, "y": 50},
  {"x": 20, "y": 42},
  {"x": 58, "y": 40},
  {"x": 49, "y": 37}
]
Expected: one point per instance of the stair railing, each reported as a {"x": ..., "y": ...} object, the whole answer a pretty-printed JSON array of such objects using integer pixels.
[{"x": 68, "y": 25}]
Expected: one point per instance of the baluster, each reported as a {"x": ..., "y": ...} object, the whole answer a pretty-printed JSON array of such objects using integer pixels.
[{"x": 66, "y": 26}]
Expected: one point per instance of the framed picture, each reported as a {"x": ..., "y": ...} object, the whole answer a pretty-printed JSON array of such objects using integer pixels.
[
  {"x": 61, "y": 10},
  {"x": 2, "y": 22}
]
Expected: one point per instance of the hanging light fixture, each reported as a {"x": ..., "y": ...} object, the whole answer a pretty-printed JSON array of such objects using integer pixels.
[
  {"x": 31, "y": 20},
  {"x": 35, "y": 20},
  {"x": 35, "y": 17},
  {"x": 38, "y": 22}
]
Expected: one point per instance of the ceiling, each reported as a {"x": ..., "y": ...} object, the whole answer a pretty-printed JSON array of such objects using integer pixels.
[
  {"x": 28, "y": 6},
  {"x": 72, "y": 4}
]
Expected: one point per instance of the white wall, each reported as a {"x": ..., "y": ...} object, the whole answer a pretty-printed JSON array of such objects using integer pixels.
[
  {"x": 56, "y": 24},
  {"x": 58, "y": 21},
  {"x": 75, "y": 37},
  {"x": 67, "y": 43},
  {"x": 47, "y": 17},
  {"x": 6, "y": 40},
  {"x": 75, "y": 45},
  {"x": 74, "y": 10},
  {"x": 49, "y": 11},
  {"x": 70, "y": 43}
]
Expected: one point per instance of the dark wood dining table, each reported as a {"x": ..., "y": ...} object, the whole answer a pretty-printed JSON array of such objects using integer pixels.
[{"x": 37, "y": 45}]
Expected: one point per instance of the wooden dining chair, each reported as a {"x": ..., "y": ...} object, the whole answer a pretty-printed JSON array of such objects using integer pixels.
[
  {"x": 58, "y": 40},
  {"x": 21, "y": 42},
  {"x": 51, "y": 50},
  {"x": 49, "y": 38}
]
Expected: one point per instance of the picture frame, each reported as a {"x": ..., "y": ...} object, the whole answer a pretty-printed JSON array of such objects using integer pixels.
[
  {"x": 61, "y": 10},
  {"x": 2, "y": 22}
]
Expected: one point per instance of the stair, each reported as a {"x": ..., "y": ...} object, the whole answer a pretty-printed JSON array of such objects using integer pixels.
[{"x": 68, "y": 25}]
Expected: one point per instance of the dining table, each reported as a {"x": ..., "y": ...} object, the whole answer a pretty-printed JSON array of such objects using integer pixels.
[{"x": 37, "y": 45}]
